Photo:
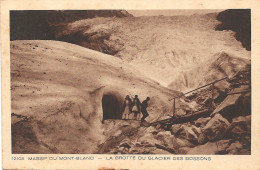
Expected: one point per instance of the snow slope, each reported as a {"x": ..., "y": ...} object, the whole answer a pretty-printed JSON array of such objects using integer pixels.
[
  {"x": 57, "y": 91},
  {"x": 162, "y": 47},
  {"x": 219, "y": 66}
]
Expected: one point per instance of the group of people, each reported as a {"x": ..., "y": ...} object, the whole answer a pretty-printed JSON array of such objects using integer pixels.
[{"x": 135, "y": 107}]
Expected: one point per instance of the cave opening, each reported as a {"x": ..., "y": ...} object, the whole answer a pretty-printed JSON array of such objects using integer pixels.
[{"x": 111, "y": 107}]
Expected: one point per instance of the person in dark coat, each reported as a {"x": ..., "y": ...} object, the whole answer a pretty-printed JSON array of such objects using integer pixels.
[
  {"x": 136, "y": 106},
  {"x": 144, "y": 106},
  {"x": 127, "y": 107}
]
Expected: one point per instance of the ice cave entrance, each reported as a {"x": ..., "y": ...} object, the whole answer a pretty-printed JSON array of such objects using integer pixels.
[{"x": 111, "y": 107}]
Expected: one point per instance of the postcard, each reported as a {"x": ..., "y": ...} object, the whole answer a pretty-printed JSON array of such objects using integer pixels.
[{"x": 130, "y": 84}]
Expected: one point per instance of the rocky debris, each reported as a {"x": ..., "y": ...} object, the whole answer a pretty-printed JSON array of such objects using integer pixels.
[
  {"x": 216, "y": 127},
  {"x": 240, "y": 126},
  {"x": 210, "y": 148},
  {"x": 234, "y": 147},
  {"x": 222, "y": 146},
  {"x": 186, "y": 132},
  {"x": 243, "y": 77},
  {"x": 175, "y": 128},
  {"x": 240, "y": 146},
  {"x": 182, "y": 111},
  {"x": 166, "y": 139},
  {"x": 187, "y": 107},
  {"x": 203, "y": 97},
  {"x": 168, "y": 149},
  {"x": 207, "y": 102},
  {"x": 153, "y": 141},
  {"x": 230, "y": 107},
  {"x": 183, "y": 150},
  {"x": 152, "y": 130},
  {"x": 244, "y": 104},
  {"x": 226, "y": 146},
  {"x": 136, "y": 148},
  {"x": 125, "y": 145},
  {"x": 201, "y": 122},
  {"x": 202, "y": 138},
  {"x": 196, "y": 130},
  {"x": 184, "y": 143},
  {"x": 152, "y": 137},
  {"x": 207, "y": 149},
  {"x": 217, "y": 137},
  {"x": 149, "y": 138}
]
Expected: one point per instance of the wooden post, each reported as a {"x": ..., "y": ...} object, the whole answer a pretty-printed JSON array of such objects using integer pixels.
[{"x": 174, "y": 107}]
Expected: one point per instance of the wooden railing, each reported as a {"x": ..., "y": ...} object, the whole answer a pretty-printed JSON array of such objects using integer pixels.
[
  {"x": 209, "y": 84},
  {"x": 195, "y": 115}
]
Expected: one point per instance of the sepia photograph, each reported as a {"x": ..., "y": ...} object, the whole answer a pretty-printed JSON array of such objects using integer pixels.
[{"x": 110, "y": 81}]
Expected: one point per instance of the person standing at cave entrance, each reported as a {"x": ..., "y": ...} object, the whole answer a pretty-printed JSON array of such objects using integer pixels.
[
  {"x": 144, "y": 106},
  {"x": 136, "y": 107},
  {"x": 127, "y": 107}
]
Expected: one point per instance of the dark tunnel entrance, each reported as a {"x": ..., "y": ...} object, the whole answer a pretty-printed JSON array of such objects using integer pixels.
[{"x": 111, "y": 107}]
